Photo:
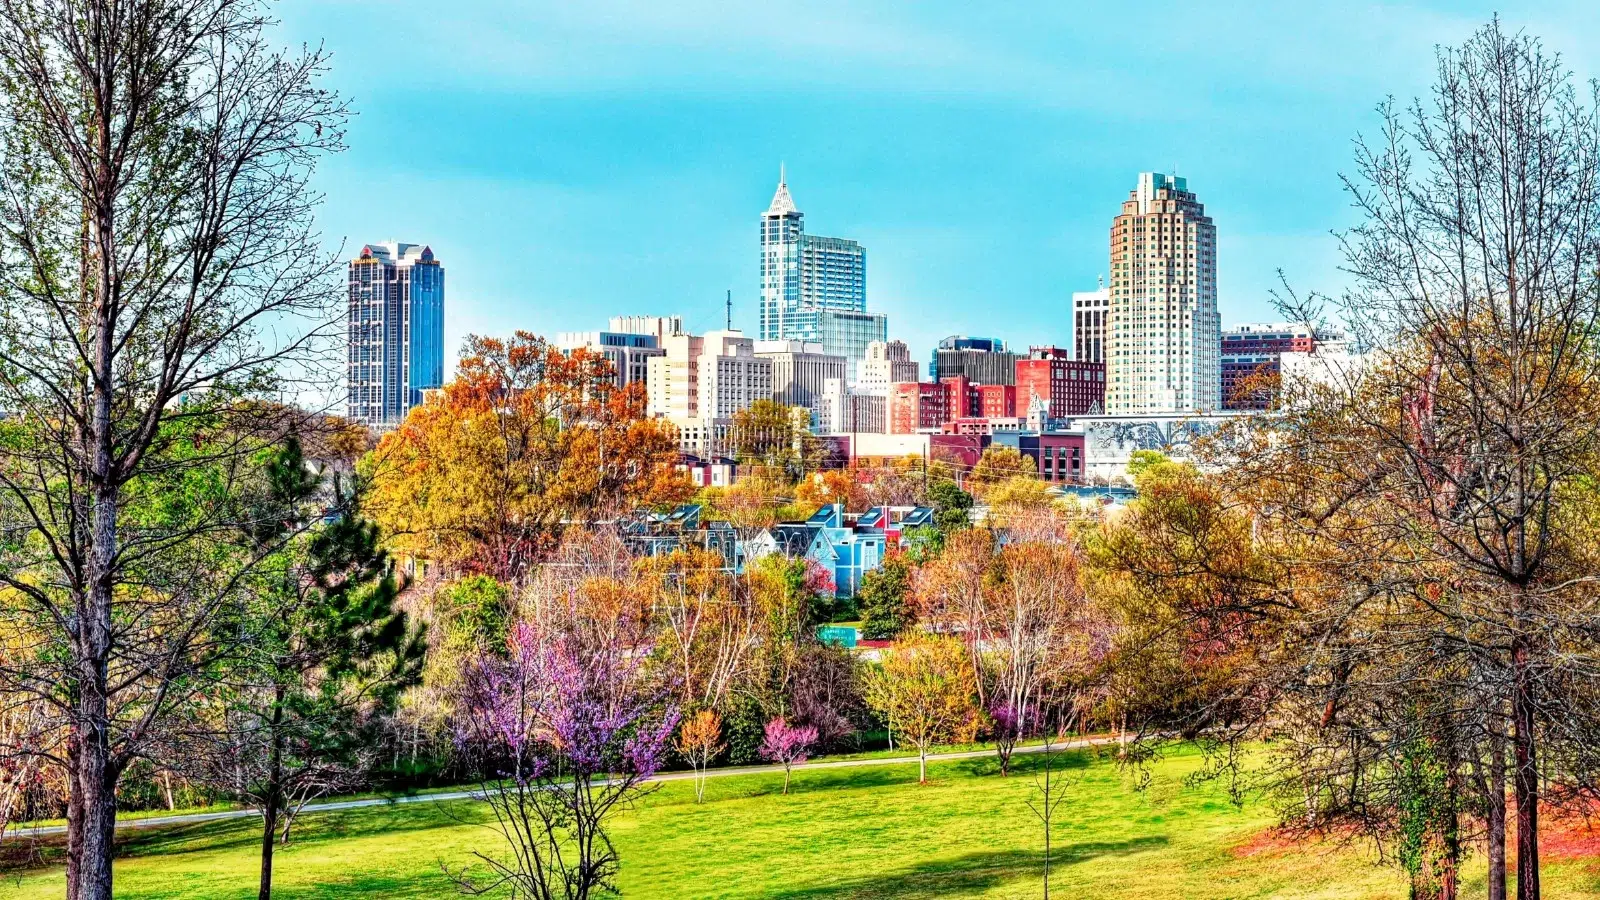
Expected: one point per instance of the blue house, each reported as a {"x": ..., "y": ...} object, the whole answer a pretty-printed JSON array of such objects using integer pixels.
[{"x": 847, "y": 546}]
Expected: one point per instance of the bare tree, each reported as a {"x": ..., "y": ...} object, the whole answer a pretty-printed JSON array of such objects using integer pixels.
[
  {"x": 1049, "y": 793},
  {"x": 1437, "y": 509},
  {"x": 158, "y": 266}
]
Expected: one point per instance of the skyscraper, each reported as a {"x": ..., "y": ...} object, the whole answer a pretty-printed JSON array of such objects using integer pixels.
[
  {"x": 807, "y": 277},
  {"x": 395, "y": 332},
  {"x": 1164, "y": 334}
]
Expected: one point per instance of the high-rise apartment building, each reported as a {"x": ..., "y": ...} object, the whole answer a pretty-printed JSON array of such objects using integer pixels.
[
  {"x": 1089, "y": 310},
  {"x": 805, "y": 275},
  {"x": 1164, "y": 334},
  {"x": 395, "y": 333}
]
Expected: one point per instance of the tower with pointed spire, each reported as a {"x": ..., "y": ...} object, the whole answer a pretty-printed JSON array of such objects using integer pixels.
[{"x": 813, "y": 288}]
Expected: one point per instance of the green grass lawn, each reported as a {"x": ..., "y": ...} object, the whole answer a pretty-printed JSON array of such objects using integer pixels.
[{"x": 843, "y": 833}]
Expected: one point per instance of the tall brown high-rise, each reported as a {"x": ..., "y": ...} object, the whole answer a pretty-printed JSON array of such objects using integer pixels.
[{"x": 1163, "y": 340}]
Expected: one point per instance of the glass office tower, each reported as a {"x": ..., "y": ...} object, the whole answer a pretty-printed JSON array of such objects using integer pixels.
[
  {"x": 803, "y": 275},
  {"x": 395, "y": 346}
]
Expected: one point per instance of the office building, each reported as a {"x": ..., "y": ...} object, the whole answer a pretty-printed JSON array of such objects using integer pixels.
[
  {"x": 945, "y": 404},
  {"x": 659, "y": 327},
  {"x": 1163, "y": 335},
  {"x": 849, "y": 334},
  {"x": 395, "y": 334},
  {"x": 1089, "y": 310},
  {"x": 803, "y": 275},
  {"x": 886, "y": 363},
  {"x": 629, "y": 353},
  {"x": 700, "y": 382},
  {"x": 1253, "y": 357},
  {"x": 846, "y": 410},
  {"x": 984, "y": 366},
  {"x": 800, "y": 372},
  {"x": 962, "y": 342},
  {"x": 1068, "y": 387}
]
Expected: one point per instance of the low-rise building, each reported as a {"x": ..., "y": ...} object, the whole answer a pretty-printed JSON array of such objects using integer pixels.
[{"x": 844, "y": 545}]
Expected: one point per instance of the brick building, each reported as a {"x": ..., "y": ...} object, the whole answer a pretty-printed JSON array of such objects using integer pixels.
[
  {"x": 1070, "y": 387},
  {"x": 933, "y": 406}
]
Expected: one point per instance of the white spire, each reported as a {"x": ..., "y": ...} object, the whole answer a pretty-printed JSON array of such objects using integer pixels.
[{"x": 782, "y": 203}]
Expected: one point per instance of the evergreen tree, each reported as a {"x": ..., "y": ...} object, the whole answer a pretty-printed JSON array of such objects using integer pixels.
[{"x": 333, "y": 656}]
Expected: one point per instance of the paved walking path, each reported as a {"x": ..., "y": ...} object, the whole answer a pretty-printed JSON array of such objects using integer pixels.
[{"x": 335, "y": 805}]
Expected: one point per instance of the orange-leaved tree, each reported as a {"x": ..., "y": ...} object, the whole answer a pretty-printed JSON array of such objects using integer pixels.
[{"x": 525, "y": 439}]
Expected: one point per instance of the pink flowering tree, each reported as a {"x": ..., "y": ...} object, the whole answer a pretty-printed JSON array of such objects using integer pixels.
[
  {"x": 564, "y": 729},
  {"x": 1009, "y": 726},
  {"x": 788, "y": 745}
]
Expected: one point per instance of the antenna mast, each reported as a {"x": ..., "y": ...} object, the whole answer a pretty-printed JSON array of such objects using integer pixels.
[{"x": 730, "y": 309}]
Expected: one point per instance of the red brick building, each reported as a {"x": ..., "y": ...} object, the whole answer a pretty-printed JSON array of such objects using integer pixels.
[
  {"x": 1070, "y": 387},
  {"x": 932, "y": 406},
  {"x": 994, "y": 401}
]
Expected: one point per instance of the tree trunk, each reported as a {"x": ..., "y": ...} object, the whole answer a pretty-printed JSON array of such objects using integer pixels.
[
  {"x": 922, "y": 766},
  {"x": 97, "y": 770},
  {"x": 1527, "y": 774},
  {"x": 1047, "y": 811},
  {"x": 269, "y": 837},
  {"x": 1450, "y": 865},
  {"x": 1496, "y": 817},
  {"x": 97, "y": 781},
  {"x": 74, "y": 817},
  {"x": 272, "y": 798},
  {"x": 166, "y": 784}
]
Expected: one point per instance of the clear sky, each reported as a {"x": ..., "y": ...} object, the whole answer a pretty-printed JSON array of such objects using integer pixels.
[{"x": 578, "y": 159}]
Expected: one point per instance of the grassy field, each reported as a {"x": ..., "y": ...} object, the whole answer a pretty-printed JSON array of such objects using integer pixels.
[{"x": 842, "y": 833}]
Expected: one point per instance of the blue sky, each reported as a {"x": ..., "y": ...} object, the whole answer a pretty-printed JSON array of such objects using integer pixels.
[{"x": 570, "y": 161}]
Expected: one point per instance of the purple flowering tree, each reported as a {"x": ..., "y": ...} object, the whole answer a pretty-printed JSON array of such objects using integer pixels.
[
  {"x": 565, "y": 727},
  {"x": 1009, "y": 727},
  {"x": 788, "y": 745}
]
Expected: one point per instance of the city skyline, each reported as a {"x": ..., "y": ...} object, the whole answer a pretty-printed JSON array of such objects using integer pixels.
[{"x": 979, "y": 157}]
